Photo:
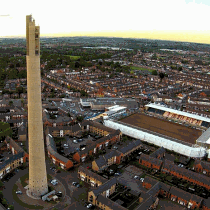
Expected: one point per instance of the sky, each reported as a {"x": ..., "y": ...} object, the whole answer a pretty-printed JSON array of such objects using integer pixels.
[{"x": 180, "y": 20}]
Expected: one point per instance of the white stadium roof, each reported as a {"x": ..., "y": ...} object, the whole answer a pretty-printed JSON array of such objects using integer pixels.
[
  {"x": 166, "y": 109},
  {"x": 205, "y": 137},
  {"x": 180, "y": 148}
]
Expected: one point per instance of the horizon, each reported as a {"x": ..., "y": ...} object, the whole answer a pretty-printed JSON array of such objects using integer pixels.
[
  {"x": 109, "y": 37},
  {"x": 173, "y": 20}
]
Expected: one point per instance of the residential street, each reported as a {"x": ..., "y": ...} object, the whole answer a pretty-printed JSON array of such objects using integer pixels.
[{"x": 73, "y": 196}]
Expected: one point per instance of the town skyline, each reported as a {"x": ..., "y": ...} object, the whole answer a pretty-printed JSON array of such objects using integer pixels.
[{"x": 182, "y": 20}]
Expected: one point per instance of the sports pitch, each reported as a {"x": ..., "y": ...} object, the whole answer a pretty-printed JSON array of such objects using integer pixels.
[{"x": 164, "y": 127}]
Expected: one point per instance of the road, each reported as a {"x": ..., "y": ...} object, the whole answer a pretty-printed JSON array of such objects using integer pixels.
[{"x": 74, "y": 195}]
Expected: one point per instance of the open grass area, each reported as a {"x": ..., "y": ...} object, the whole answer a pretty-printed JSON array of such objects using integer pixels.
[
  {"x": 23, "y": 178},
  {"x": 15, "y": 196},
  {"x": 141, "y": 69},
  {"x": 49, "y": 177},
  {"x": 73, "y": 57}
]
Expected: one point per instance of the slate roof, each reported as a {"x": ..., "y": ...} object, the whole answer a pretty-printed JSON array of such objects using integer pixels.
[
  {"x": 57, "y": 155},
  {"x": 102, "y": 127},
  {"x": 158, "y": 152},
  {"x": 107, "y": 185},
  {"x": 185, "y": 195},
  {"x": 150, "y": 159},
  {"x": 91, "y": 174},
  {"x": 206, "y": 202},
  {"x": 147, "y": 202},
  {"x": 113, "y": 205},
  {"x": 150, "y": 180},
  {"x": 204, "y": 165},
  {"x": 16, "y": 146},
  {"x": 111, "y": 154},
  {"x": 101, "y": 161},
  {"x": 185, "y": 172},
  {"x": 74, "y": 128},
  {"x": 130, "y": 146},
  {"x": 11, "y": 159}
]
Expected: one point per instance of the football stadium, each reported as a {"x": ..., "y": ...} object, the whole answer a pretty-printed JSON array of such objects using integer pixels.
[{"x": 175, "y": 137}]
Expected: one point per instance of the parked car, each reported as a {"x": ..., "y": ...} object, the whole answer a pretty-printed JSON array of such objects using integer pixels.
[
  {"x": 78, "y": 185},
  {"x": 85, "y": 205},
  {"x": 19, "y": 192},
  {"x": 80, "y": 140},
  {"x": 75, "y": 183},
  {"x": 117, "y": 174},
  {"x": 136, "y": 177},
  {"x": 89, "y": 206},
  {"x": 114, "y": 147},
  {"x": 54, "y": 182},
  {"x": 59, "y": 194},
  {"x": 75, "y": 141}
]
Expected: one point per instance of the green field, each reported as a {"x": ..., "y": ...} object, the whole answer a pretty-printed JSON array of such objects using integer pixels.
[
  {"x": 74, "y": 57},
  {"x": 140, "y": 69}
]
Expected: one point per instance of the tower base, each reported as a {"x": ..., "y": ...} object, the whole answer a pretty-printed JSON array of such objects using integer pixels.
[{"x": 33, "y": 195}]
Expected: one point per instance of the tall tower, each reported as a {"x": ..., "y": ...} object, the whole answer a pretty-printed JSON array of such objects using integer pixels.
[{"x": 37, "y": 166}]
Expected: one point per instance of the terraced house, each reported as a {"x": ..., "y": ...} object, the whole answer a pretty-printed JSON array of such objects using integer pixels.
[
  {"x": 11, "y": 163},
  {"x": 88, "y": 176},
  {"x": 56, "y": 158}
]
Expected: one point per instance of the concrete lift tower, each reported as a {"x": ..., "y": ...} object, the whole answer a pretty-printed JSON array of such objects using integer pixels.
[{"x": 37, "y": 166}]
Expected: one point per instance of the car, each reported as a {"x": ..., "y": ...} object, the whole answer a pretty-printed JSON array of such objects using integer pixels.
[
  {"x": 142, "y": 179},
  {"x": 78, "y": 185},
  {"x": 136, "y": 177},
  {"x": 80, "y": 140},
  {"x": 74, "y": 183},
  {"x": 89, "y": 206},
  {"x": 54, "y": 182},
  {"x": 77, "y": 149},
  {"x": 59, "y": 194},
  {"x": 83, "y": 148},
  {"x": 114, "y": 147},
  {"x": 117, "y": 174},
  {"x": 19, "y": 192},
  {"x": 75, "y": 141},
  {"x": 65, "y": 145},
  {"x": 85, "y": 205}
]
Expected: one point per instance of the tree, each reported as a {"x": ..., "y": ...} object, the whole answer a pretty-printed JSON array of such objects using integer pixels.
[
  {"x": 80, "y": 118},
  {"x": 10, "y": 103},
  {"x": 180, "y": 68},
  {"x": 83, "y": 93},
  {"x": 91, "y": 157},
  {"x": 1, "y": 195},
  {"x": 161, "y": 75},
  {"x": 77, "y": 64},
  {"x": 154, "y": 72},
  {"x": 11, "y": 207},
  {"x": 4, "y": 202}
]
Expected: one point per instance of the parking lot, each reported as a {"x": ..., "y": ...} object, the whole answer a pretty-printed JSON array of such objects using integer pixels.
[{"x": 73, "y": 144}]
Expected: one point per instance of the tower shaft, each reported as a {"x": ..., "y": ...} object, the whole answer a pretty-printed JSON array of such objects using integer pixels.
[{"x": 37, "y": 166}]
